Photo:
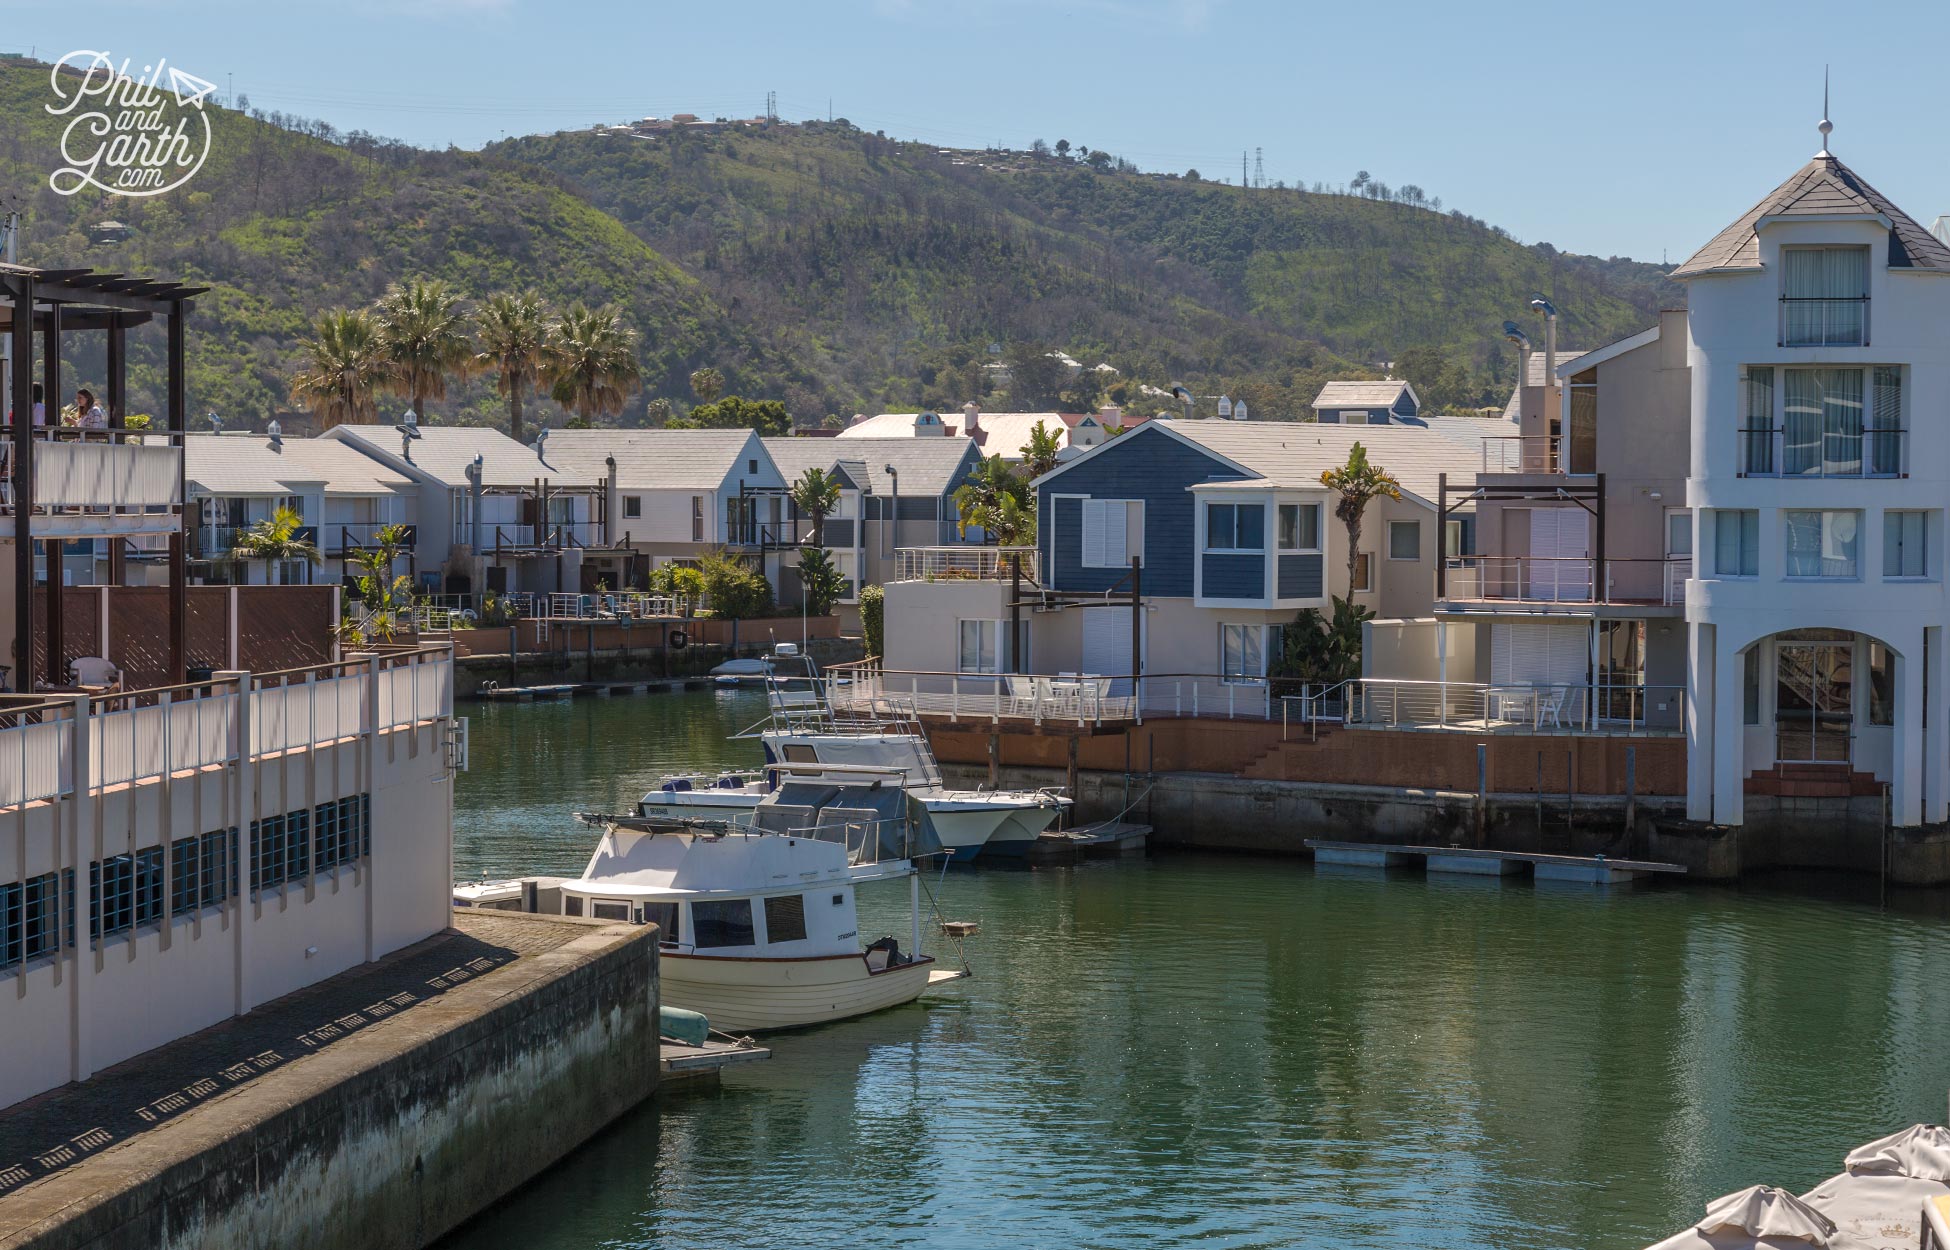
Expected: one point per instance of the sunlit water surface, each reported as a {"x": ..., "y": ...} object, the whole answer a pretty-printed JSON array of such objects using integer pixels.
[{"x": 1239, "y": 1052}]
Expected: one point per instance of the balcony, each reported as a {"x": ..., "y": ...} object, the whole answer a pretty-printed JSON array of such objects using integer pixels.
[
  {"x": 1539, "y": 582},
  {"x": 1767, "y": 451},
  {"x": 1512, "y": 708},
  {"x": 352, "y": 538},
  {"x": 1824, "y": 321},
  {"x": 967, "y": 562},
  {"x": 97, "y": 482},
  {"x": 769, "y": 535},
  {"x": 1523, "y": 453}
]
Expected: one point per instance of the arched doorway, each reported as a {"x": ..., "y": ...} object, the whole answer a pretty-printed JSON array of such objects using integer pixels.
[{"x": 1829, "y": 696}]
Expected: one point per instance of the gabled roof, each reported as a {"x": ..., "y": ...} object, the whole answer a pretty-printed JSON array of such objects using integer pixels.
[
  {"x": 1578, "y": 362},
  {"x": 1002, "y": 434},
  {"x": 1536, "y": 373},
  {"x": 1363, "y": 394},
  {"x": 1288, "y": 453},
  {"x": 443, "y": 452},
  {"x": 251, "y": 464},
  {"x": 1824, "y": 187},
  {"x": 694, "y": 460},
  {"x": 927, "y": 466}
]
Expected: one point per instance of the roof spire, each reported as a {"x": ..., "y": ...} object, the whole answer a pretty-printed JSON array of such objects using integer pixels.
[{"x": 1827, "y": 127}]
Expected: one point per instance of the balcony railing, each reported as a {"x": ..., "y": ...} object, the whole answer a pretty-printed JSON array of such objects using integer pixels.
[
  {"x": 1824, "y": 321},
  {"x": 216, "y": 542},
  {"x": 1558, "y": 579},
  {"x": 1771, "y": 451},
  {"x": 345, "y": 539},
  {"x": 1523, "y": 453},
  {"x": 966, "y": 562},
  {"x": 1479, "y": 707},
  {"x": 98, "y": 471},
  {"x": 559, "y": 536}
]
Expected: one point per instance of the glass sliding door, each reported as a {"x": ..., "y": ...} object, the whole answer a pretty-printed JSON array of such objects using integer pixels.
[{"x": 1814, "y": 696}]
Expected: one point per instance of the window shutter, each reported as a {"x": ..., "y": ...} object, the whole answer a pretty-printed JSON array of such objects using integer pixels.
[
  {"x": 1116, "y": 542},
  {"x": 1093, "y": 533}
]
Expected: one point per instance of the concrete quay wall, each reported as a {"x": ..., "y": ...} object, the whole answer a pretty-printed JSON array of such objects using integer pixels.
[
  {"x": 1216, "y": 811},
  {"x": 394, "y": 1135}
]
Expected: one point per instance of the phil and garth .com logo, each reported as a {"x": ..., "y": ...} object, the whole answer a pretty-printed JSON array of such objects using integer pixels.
[{"x": 127, "y": 135}]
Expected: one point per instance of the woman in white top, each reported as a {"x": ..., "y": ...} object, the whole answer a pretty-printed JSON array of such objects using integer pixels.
[{"x": 88, "y": 413}]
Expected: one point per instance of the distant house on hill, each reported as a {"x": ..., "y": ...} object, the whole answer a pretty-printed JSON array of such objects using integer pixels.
[{"x": 1366, "y": 403}]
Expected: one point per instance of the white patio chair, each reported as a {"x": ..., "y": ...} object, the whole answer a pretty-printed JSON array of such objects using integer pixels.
[
  {"x": 93, "y": 670},
  {"x": 1022, "y": 696},
  {"x": 1550, "y": 708}
]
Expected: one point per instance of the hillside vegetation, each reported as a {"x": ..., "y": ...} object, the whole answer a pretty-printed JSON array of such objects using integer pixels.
[{"x": 835, "y": 270}]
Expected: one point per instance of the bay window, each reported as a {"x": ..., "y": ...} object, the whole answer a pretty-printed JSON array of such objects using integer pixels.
[
  {"x": 1235, "y": 527},
  {"x": 1299, "y": 527},
  {"x": 1821, "y": 543},
  {"x": 1825, "y": 297}
]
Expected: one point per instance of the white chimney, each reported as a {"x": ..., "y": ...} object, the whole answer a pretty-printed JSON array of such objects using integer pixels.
[
  {"x": 971, "y": 419},
  {"x": 1109, "y": 415}
]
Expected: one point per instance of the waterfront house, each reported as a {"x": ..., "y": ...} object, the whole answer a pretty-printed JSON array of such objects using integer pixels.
[
  {"x": 1366, "y": 403},
  {"x": 895, "y": 494},
  {"x": 1004, "y": 434},
  {"x": 342, "y": 498},
  {"x": 187, "y": 839},
  {"x": 1222, "y": 529},
  {"x": 1563, "y": 608},
  {"x": 1819, "y": 349},
  {"x": 672, "y": 495},
  {"x": 492, "y": 514}
]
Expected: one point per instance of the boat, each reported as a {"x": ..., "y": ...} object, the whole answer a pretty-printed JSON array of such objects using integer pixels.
[
  {"x": 759, "y": 928},
  {"x": 742, "y": 672},
  {"x": 802, "y": 729}
]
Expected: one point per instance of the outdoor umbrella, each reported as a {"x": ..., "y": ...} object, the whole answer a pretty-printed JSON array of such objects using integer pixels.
[
  {"x": 1758, "y": 1218},
  {"x": 1877, "y": 1201}
]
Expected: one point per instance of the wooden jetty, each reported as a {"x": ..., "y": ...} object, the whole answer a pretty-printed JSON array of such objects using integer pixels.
[
  {"x": 526, "y": 694},
  {"x": 1109, "y": 837},
  {"x": 679, "y": 1061},
  {"x": 1587, "y": 869}
]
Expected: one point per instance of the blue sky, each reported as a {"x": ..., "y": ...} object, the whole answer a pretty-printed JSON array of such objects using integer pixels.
[{"x": 1630, "y": 130}]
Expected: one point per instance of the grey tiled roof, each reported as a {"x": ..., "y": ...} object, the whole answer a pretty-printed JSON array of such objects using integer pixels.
[
  {"x": 251, "y": 464},
  {"x": 654, "y": 459},
  {"x": 1359, "y": 394},
  {"x": 1292, "y": 453},
  {"x": 443, "y": 452},
  {"x": 927, "y": 466},
  {"x": 1822, "y": 187}
]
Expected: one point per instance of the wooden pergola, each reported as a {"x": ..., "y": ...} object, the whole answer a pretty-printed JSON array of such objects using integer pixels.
[{"x": 51, "y": 303}]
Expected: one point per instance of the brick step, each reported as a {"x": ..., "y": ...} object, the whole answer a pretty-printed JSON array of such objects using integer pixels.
[{"x": 1813, "y": 781}]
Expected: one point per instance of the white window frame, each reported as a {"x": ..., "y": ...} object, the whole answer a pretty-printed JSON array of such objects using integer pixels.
[
  {"x": 1732, "y": 516},
  {"x": 1395, "y": 525},
  {"x": 988, "y": 632},
  {"x": 1299, "y": 548},
  {"x": 1258, "y": 632},
  {"x": 1923, "y": 527},
  {"x": 1205, "y": 526},
  {"x": 1095, "y": 516},
  {"x": 1680, "y": 514},
  {"x": 1827, "y": 526},
  {"x": 633, "y": 507},
  {"x": 698, "y": 513}
]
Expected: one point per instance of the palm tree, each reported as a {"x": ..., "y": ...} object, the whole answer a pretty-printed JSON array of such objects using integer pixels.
[
  {"x": 816, "y": 494},
  {"x": 276, "y": 541},
  {"x": 424, "y": 332},
  {"x": 1358, "y": 482},
  {"x": 1039, "y": 456},
  {"x": 590, "y": 361},
  {"x": 707, "y": 384},
  {"x": 513, "y": 333},
  {"x": 981, "y": 499},
  {"x": 345, "y": 367}
]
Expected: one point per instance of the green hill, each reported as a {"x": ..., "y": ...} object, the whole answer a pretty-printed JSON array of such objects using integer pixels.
[{"x": 837, "y": 270}]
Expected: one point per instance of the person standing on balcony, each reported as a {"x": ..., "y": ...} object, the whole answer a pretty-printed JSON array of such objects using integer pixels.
[
  {"x": 88, "y": 413},
  {"x": 40, "y": 409}
]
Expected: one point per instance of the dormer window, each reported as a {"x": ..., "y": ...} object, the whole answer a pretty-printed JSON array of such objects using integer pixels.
[{"x": 1825, "y": 297}]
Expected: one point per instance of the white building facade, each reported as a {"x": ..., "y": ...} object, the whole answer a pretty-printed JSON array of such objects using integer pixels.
[{"x": 1820, "y": 377}]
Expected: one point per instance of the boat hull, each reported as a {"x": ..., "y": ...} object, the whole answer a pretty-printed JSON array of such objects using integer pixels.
[
  {"x": 1019, "y": 831},
  {"x": 756, "y": 995}
]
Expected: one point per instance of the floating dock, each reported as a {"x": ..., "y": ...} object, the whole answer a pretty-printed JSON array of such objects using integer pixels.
[
  {"x": 679, "y": 1061},
  {"x": 1110, "y": 837},
  {"x": 527, "y": 694},
  {"x": 1468, "y": 861}
]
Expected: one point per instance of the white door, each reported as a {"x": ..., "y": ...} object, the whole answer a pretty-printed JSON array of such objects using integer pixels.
[
  {"x": 1107, "y": 645},
  {"x": 1560, "y": 555}
]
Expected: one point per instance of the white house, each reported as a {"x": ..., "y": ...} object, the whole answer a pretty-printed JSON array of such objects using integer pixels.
[
  {"x": 1819, "y": 348},
  {"x": 342, "y": 498}
]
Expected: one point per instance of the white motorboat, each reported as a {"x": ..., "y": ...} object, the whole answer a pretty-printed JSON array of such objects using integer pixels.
[
  {"x": 802, "y": 730},
  {"x": 759, "y": 926}
]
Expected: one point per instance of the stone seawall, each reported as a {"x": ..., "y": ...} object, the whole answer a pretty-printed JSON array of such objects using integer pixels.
[
  {"x": 1216, "y": 811},
  {"x": 388, "y": 1136},
  {"x": 472, "y": 673}
]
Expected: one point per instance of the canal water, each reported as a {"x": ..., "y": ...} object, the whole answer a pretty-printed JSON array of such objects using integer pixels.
[{"x": 1241, "y": 1052}]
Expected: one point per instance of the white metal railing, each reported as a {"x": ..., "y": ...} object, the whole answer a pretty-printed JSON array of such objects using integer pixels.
[
  {"x": 1523, "y": 453},
  {"x": 1679, "y": 571},
  {"x": 1059, "y": 698},
  {"x": 36, "y": 753},
  {"x": 966, "y": 561},
  {"x": 1565, "y": 579},
  {"x": 101, "y": 474},
  {"x": 185, "y": 729},
  {"x": 316, "y": 708},
  {"x": 1511, "y": 707}
]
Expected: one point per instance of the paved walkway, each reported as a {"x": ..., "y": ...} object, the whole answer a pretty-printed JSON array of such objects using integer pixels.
[{"x": 46, "y": 1134}]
